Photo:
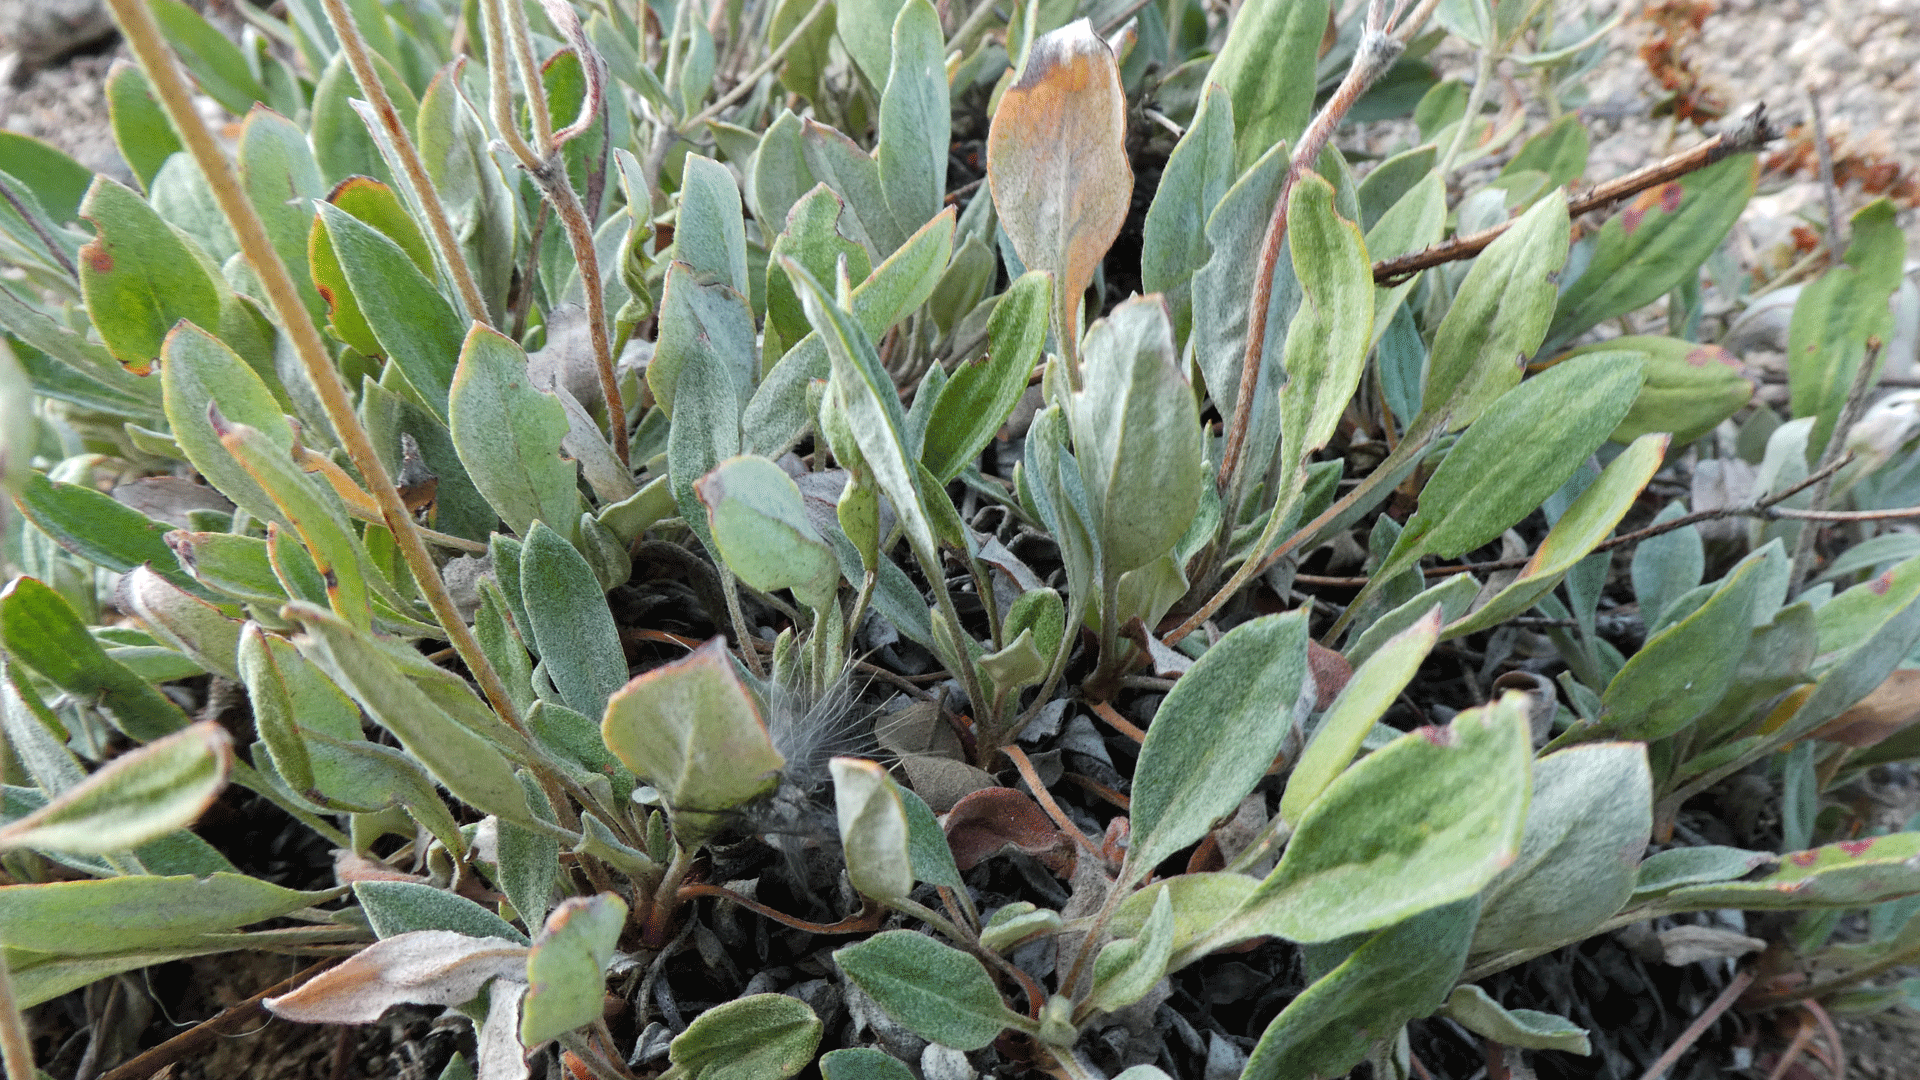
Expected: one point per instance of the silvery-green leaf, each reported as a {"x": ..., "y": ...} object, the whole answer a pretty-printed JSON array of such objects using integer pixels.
[
  {"x": 566, "y": 987},
  {"x": 873, "y": 829},
  {"x": 1215, "y": 735},
  {"x": 760, "y": 526},
  {"x": 139, "y": 796},
  {"x": 1137, "y": 435}
]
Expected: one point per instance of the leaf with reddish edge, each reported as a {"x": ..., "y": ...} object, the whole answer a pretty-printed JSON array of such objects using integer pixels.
[
  {"x": 989, "y": 821},
  {"x": 691, "y": 729},
  {"x": 425, "y": 967},
  {"x": 1849, "y": 874}
]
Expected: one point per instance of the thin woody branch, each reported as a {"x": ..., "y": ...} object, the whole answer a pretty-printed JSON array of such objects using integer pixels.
[{"x": 1752, "y": 133}]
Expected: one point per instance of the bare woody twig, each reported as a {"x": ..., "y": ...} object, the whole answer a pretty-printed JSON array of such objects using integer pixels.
[
  {"x": 1752, "y": 133},
  {"x": 360, "y": 59},
  {"x": 192, "y": 1039},
  {"x": 1699, "y": 1027},
  {"x": 1766, "y": 509},
  {"x": 1850, "y": 410}
]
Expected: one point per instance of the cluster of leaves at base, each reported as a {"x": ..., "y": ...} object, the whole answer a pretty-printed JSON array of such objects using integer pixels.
[{"x": 780, "y": 280}]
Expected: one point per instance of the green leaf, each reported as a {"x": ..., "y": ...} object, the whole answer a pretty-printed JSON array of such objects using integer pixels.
[
  {"x": 863, "y": 1063},
  {"x": 91, "y": 918},
  {"x": 812, "y": 238},
  {"x": 40, "y": 630},
  {"x": 139, "y": 277},
  {"x": 1559, "y": 151},
  {"x": 872, "y": 407},
  {"x": 1201, "y": 902},
  {"x": 509, "y": 435},
  {"x": 218, "y": 66},
  {"x": 1499, "y": 317},
  {"x": 1690, "y": 387},
  {"x": 55, "y": 180},
  {"x": 778, "y": 412},
  {"x": 1416, "y": 221},
  {"x": 341, "y": 142},
  {"x": 141, "y": 795},
  {"x": 1173, "y": 245},
  {"x": 1126, "y": 968},
  {"x": 291, "y": 697},
  {"x": 181, "y": 620},
  {"x": 937, "y": 992},
  {"x": 1590, "y": 818},
  {"x": 1678, "y": 867},
  {"x": 1267, "y": 66},
  {"x": 479, "y": 204},
  {"x": 1849, "y": 874},
  {"x": 570, "y": 622},
  {"x": 414, "y": 325},
  {"x": 711, "y": 234},
  {"x": 691, "y": 729},
  {"x": 1426, "y": 820},
  {"x": 373, "y": 203},
  {"x": 982, "y": 392},
  {"x": 854, "y": 175},
  {"x": 1137, "y": 436},
  {"x": 566, "y": 981},
  {"x": 403, "y": 907},
  {"x": 1661, "y": 237},
  {"x": 757, "y": 1037},
  {"x": 141, "y": 129},
  {"x": 1834, "y": 317},
  {"x": 1585, "y": 524},
  {"x": 198, "y": 370},
  {"x": 927, "y": 844},
  {"x": 874, "y": 829},
  {"x": 1371, "y": 690},
  {"x": 915, "y": 127},
  {"x": 1399, "y": 974},
  {"x": 1518, "y": 453},
  {"x": 282, "y": 181},
  {"x": 1682, "y": 670},
  {"x": 1216, "y": 733},
  {"x": 1326, "y": 350},
  {"x": 1475, "y": 1010},
  {"x": 864, "y": 27},
  {"x": 98, "y": 528},
  {"x": 760, "y": 525},
  {"x": 473, "y": 768},
  {"x": 314, "y": 513}
]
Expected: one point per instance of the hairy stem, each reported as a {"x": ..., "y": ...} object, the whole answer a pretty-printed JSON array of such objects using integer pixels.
[
  {"x": 360, "y": 59},
  {"x": 1375, "y": 55},
  {"x": 170, "y": 86}
]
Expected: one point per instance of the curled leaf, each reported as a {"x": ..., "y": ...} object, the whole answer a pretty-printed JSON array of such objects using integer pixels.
[{"x": 424, "y": 967}]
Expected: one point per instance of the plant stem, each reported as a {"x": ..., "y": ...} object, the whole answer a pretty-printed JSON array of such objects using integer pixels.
[
  {"x": 750, "y": 79},
  {"x": 1699, "y": 1027},
  {"x": 1836, "y": 448},
  {"x": 1752, "y": 133},
  {"x": 143, "y": 36},
  {"x": 1476, "y": 97},
  {"x": 1375, "y": 55},
  {"x": 360, "y": 59},
  {"x": 558, "y": 188},
  {"x": 15, "y": 1047}
]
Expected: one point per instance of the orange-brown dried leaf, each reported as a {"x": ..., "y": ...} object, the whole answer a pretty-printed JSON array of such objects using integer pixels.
[{"x": 1057, "y": 159}]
